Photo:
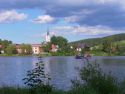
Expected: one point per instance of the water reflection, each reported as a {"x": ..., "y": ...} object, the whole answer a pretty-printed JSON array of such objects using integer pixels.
[{"x": 115, "y": 65}]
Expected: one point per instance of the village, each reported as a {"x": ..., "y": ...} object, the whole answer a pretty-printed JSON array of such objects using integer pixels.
[
  {"x": 45, "y": 47},
  {"x": 35, "y": 48}
]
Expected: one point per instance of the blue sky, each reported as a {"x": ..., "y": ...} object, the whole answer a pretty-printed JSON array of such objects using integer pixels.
[{"x": 27, "y": 21}]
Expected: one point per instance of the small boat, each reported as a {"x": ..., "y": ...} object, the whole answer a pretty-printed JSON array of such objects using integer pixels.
[
  {"x": 83, "y": 56},
  {"x": 79, "y": 57}
]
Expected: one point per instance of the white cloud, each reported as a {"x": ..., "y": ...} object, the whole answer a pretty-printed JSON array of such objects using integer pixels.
[
  {"x": 11, "y": 16},
  {"x": 93, "y": 30},
  {"x": 86, "y": 30},
  {"x": 72, "y": 19},
  {"x": 44, "y": 19},
  {"x": 86, "y": 2}
]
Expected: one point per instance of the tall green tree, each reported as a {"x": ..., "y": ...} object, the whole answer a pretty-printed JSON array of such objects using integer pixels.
[
  {"x": 11, "y": 49},
  {"x": 108, "y": 45},
  {"x": 5, "y": 43},
  {"x": 47, "y": 47},
  {"x": 60, "y": 41},
  {"x": 26, "y": 49}
]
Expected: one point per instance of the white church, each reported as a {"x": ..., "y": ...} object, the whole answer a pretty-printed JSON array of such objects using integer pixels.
[
  {"x": 47, "y": 37},
  {"x": 37, "y": 48}
]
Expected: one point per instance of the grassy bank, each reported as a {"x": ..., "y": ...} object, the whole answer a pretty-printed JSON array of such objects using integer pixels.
[
  {"x": 9, "y": 90},
  {"x": 14, "y": 55},
  {"x": 94, "y": 53}
]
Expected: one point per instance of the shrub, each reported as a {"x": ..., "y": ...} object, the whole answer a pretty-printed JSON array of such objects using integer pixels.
[
  {"x": 93, "y": 77},
  {"x": 37, "y": 80}
]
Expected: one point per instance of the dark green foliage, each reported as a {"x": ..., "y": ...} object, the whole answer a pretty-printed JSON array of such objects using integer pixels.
[
  {"x": 62, "y": 46},
  {"x": 37, "y": 80},
  {"x": 54, "y": 40},
  {"x": 26, "y": 49},
  {"x": 93, "y": 77},
  {"x": 10, "y": 90},
  {"x": 110, "y": 45},
  {"x": 47, "y": 47},
  {"x": 60, "y": 41},
  {"x": 82, "y": 90},
  {"x": 4, "y": 44},
  {"x": 97, "y": 41},
  {"x": 11, "y": 49}
]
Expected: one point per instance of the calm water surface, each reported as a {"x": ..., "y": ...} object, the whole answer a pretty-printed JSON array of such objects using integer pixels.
[{"x": 61, "y": 69}]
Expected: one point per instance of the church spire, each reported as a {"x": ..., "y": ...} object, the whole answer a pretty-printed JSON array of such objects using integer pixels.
[
  {"x": 47, "y": 36},
  {"x": 47, "y": 31}
]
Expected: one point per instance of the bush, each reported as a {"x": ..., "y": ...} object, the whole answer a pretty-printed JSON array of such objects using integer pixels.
[
  {"x": 37, "y": 80},
  {"x": 93, "y": 77}
]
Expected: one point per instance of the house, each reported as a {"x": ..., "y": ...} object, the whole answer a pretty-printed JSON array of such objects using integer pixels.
[
  {"x": 54, "y": 48},
  {"x": 36, "y": 48},
  {"x": 1, "y": 46},
  {"x": 18, "y": 48},
  {"x": 1, "y": 51}
]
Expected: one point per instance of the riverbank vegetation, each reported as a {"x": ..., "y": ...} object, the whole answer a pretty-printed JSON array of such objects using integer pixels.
[
  {"x": 107, "y": 46},
  {"x": 93, "y": 81},
  {"x": 7, "y": 48},
  {"x": 59, "y": 46},
  {"x": 113, "y": 45}
]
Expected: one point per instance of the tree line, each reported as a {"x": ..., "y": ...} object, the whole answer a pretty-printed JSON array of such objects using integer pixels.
[
  {"x": 7, "y": 47},
  {"x": 110, "y": 45}
]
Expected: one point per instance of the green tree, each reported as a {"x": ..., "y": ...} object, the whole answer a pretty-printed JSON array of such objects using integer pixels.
[
  {"x": 47, "y": 47},
  {"x": 93, "y": 76},
  {"x": 5, "y": 43},
  {"x": 26, "y": 49},
  {"x": 54, "y": 40},
  {"x": 60, "y": 41},
  {"x": 108, "y": 45},
  {"x": 37, "y": 79},
  {"x": 11, "y": 49}
]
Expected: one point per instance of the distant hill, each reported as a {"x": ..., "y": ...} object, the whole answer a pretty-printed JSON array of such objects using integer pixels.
[{"x": 96, "y": 41}]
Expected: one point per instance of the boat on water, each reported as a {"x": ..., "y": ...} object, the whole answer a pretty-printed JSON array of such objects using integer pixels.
[
  {"x": 82, "y": 56},
  {"x": 79, "y": 57}
]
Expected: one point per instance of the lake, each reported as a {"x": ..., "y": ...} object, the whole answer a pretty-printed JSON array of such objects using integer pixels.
[{"x": 61, "y": 69}]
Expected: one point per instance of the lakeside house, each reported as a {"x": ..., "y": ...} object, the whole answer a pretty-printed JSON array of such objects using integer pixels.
[
  {"x": 36, "y": 48},
  {"x": 1, "y": 51},
  {"x": 18, "y": 48},
  {"x": 54, "y": 48}
]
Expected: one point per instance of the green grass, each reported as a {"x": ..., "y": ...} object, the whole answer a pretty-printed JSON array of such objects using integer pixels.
[
  {"x": 9, "y": 90},
  {"x": 14, "y": 55}
]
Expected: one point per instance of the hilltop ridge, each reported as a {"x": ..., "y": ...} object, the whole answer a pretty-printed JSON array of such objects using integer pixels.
[{"x": 97, "y": 41}]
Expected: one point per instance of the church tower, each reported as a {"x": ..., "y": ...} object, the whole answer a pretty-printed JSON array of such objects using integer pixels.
[{"x": 47, "y": 36}]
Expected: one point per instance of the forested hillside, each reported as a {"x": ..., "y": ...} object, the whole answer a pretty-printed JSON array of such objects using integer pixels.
[{"x": 97, "y": 41}]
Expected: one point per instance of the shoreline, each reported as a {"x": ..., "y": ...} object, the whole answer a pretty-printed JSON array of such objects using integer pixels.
[{"x": 59, "y": 56}]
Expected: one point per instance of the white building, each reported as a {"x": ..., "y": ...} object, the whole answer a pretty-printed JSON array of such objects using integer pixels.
[
  {"x": 36, "y": 48},
  {"x": 47, "y": 37}
]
